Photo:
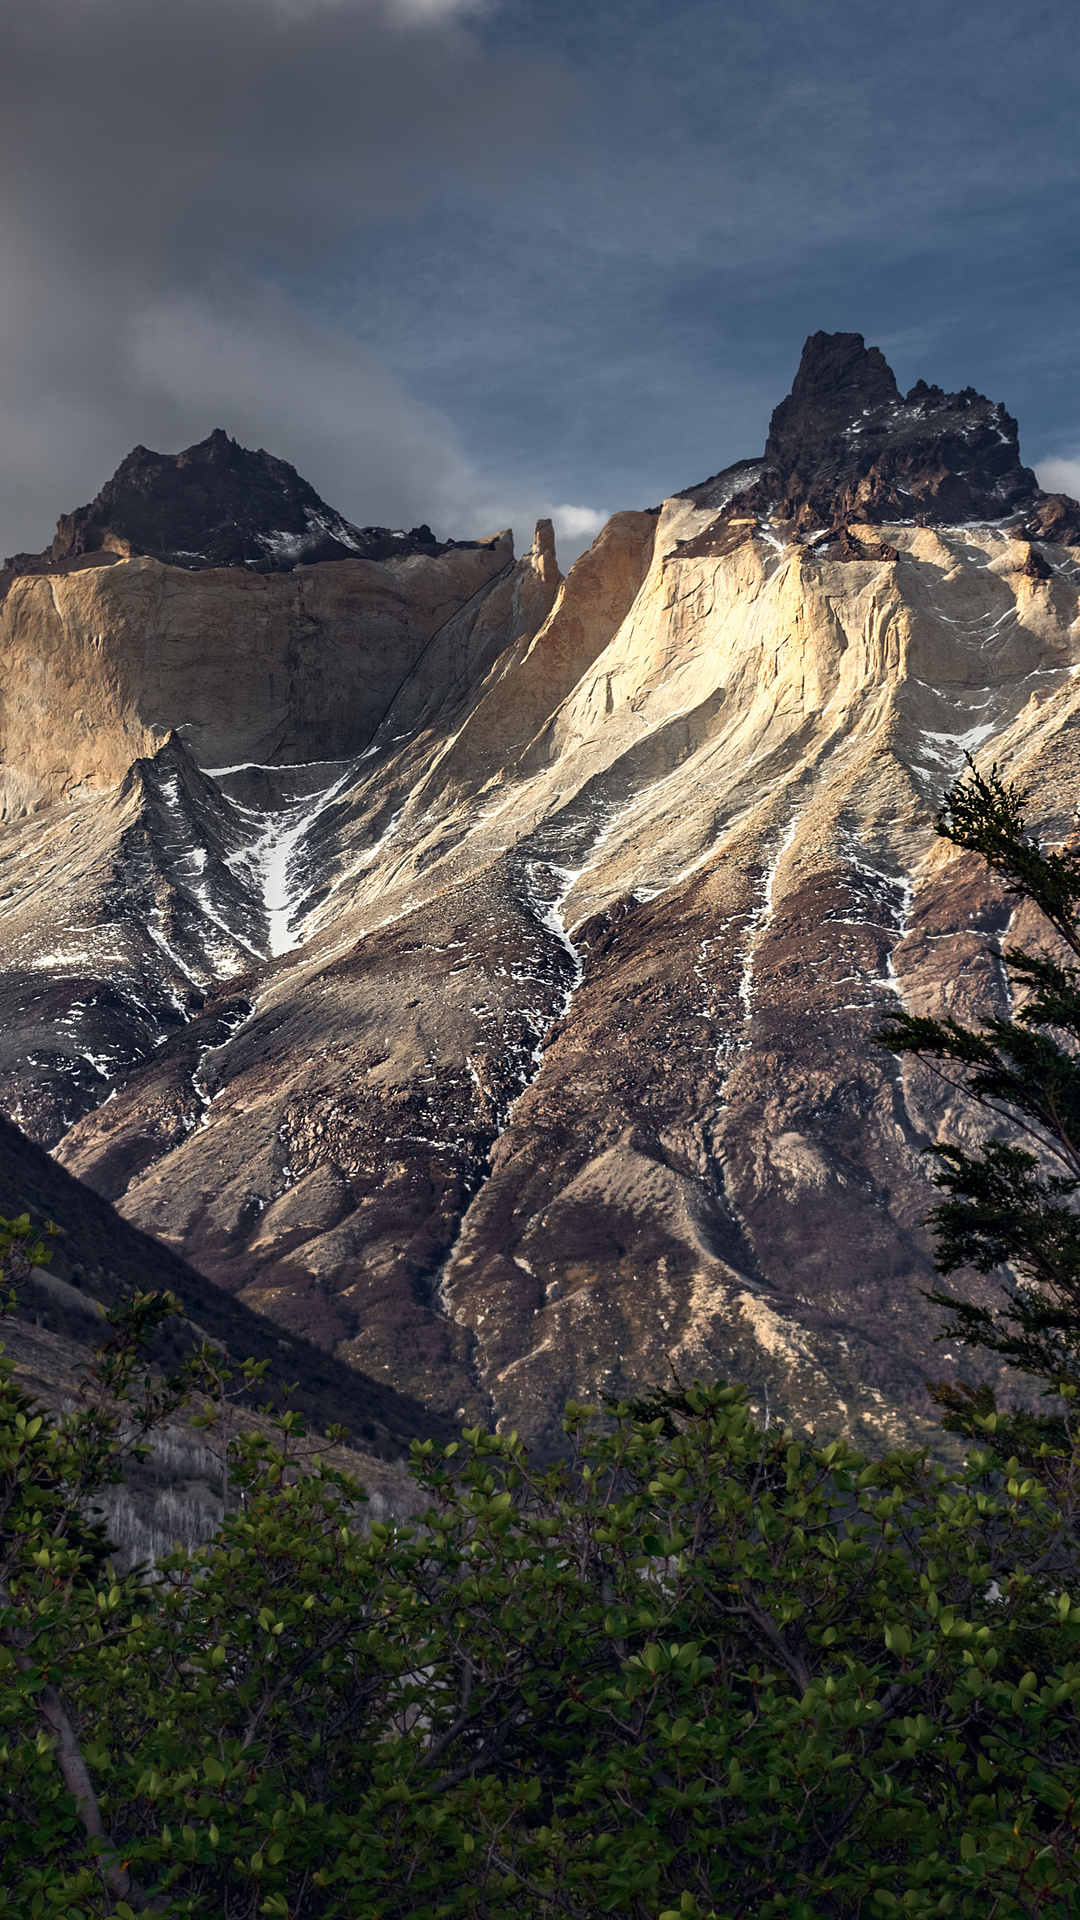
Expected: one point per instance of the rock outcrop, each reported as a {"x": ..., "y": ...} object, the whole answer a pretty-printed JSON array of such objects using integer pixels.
[
  {"x": 847, "y": 446},
  {"x": 218, "y": 504},
  {"x": 525, "y": 1041},
  {"x": 99, "y": 664}
]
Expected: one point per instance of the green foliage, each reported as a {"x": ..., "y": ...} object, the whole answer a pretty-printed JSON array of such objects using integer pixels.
[
  {"x": 973, "y": 1411},
  {"x": 1013, "y": 1206},
  {"x": 695, "y": 1669},
  {"x": 20, "y": 1252},
  {"x": 986, "y": 817}
]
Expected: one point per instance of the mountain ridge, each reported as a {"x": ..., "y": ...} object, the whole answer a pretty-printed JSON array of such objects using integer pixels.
[
  {"x": 846, "y": 445},
  {"x": 563, "y": 1062},
  {"x": 231, "y": 506}
]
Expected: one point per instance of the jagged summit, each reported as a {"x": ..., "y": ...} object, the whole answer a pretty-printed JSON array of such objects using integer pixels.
[
  {"x": 847, "y": 445},
  {"x": 847, "y": 441},
  {"x": 218, "y": 504}
]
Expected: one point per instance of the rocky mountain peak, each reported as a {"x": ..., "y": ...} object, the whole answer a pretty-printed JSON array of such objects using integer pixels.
[
  {"x": 847, "y": 442},
  {"x": 840, "y": 381},
  {"x": 218, "y": 504},
  {"x": 847, "y": 446}
]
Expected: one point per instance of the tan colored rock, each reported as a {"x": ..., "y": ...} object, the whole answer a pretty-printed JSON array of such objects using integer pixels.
[
  {"x": 573, "y": 1070},
  {"x": 531, "y": 680},
  {"x": 98, "y": 665}
]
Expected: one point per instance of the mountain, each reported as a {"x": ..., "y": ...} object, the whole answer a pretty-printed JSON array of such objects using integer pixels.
[
  {"x": 474, "y": 971},
  {"x": 847, "y": 446},
  {"x": 216, "y": 505}
]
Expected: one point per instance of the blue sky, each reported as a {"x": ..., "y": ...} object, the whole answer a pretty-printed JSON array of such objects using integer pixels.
[{"x": 474, "y": 262}]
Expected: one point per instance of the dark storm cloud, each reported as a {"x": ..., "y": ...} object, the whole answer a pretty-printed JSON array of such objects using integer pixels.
[
  {"x": 155, "y": 158},
  {"x": 463, "y": 261},
  {"x": 190, "y": 126}
]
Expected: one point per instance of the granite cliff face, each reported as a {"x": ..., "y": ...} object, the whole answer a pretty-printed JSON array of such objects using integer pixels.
[
  {"x": 100, "y": 664},
  {"x": 523, "y": 1041}
]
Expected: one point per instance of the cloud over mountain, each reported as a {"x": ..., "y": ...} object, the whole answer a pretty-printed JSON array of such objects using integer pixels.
[{"x": 162, "y": 165}]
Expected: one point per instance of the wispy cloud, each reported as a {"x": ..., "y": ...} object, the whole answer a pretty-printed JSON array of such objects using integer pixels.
[{"x": 1060, "y": 476}]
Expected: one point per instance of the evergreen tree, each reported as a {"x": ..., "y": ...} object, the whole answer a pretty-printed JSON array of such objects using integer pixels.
[{"x": 1013, "y": 1204}]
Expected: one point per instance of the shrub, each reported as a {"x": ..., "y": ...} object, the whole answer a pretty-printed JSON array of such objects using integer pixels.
[{"x": 695, "y": 1668}]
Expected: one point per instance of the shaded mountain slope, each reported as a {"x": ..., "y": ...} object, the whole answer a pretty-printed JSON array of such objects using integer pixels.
[{"x": 100, "y": 1256}]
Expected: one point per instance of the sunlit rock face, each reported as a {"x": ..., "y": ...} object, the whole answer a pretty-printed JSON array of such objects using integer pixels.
[
  {"x": 518, "y": 1046},
  {"x": 100, "y": 664}
]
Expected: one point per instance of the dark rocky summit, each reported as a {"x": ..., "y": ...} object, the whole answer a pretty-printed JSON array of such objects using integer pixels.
[
  {"x": 217, "y": 504},
  {"x": 846, "y": 445}
]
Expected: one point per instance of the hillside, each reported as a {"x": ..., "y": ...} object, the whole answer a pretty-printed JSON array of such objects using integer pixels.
[{"x": 99, "y": 1256}]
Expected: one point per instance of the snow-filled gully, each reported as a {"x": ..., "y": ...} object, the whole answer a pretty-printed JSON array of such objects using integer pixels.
[
  {"x": 266, "y": 866},
  {"x": 267, "y": 860},
  {"x": 547, "y": 906},
  {"x": 760, "y": 921},
  {"x": 204, "y": 1097},
  {"x": 274, "y": 853},
  {"x": 548, "y": 909},
  {"x": 550, "y": 916}
]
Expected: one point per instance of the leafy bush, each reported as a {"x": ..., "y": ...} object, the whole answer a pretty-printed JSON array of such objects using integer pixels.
[{"x": 696, "y": 1668}]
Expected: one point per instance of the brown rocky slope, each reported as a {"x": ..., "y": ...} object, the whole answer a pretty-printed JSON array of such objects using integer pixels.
[{"x": 528, "y": 1043}]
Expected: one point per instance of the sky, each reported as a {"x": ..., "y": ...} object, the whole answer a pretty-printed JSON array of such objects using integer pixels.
[{"x": 476, "y": 261}]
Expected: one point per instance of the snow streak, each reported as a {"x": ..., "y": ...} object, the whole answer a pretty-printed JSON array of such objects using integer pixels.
[
  {"x": 759, "y": 924},
  {"x": 274, "y": 862}
]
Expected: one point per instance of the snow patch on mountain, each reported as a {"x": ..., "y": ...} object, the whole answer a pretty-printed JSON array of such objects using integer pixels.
[{"x": 277, "y": 862}]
